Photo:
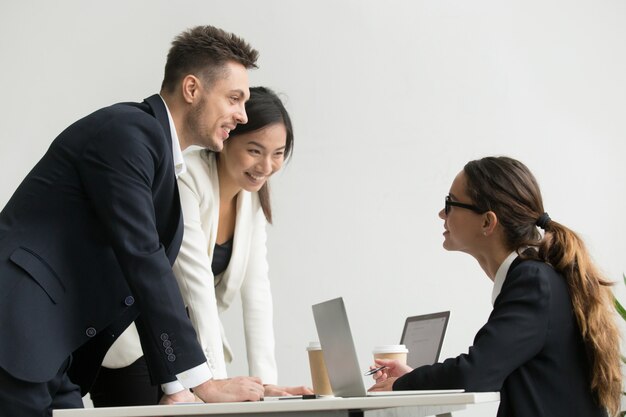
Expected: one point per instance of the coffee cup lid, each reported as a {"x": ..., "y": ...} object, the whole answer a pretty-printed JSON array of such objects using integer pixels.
[
  {"x": 390, "y": 349},
  {"x": 314, "y": 346}
]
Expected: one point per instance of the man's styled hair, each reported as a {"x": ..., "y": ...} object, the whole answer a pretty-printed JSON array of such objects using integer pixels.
[{"x": 204, "y": 51}]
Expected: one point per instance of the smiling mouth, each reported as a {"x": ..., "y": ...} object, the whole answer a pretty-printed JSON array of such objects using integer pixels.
[
  {"x": 227, "y": 130},
  {"x": 255, "y": 178}
]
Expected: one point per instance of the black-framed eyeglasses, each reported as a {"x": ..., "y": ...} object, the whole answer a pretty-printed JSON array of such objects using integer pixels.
[{"x": 450, "y": 203}]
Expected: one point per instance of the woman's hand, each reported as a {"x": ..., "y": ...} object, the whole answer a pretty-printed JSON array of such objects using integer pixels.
[
  {"x": 279, "y": 391},
  {"x": 239, "y": 388},
  {"x": 384, "y": 385},
  {"x": 393, "y": 368}
]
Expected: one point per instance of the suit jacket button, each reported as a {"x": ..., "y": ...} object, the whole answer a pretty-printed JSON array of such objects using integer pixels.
[
  {"x": 167, "y": 343},
  {"x": 90, "y": 332},
  {"x": 164, "y": 336},
  {"x": 129, "y": 301},
  {"x": 171, "y": 357},
  {"x": 169, "y": 351}
]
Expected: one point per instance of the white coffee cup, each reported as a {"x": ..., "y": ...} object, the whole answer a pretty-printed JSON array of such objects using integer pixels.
[{"x": 398, "y": 352}]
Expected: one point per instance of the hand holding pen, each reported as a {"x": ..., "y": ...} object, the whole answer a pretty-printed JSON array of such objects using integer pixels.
[
  {"x": 373, "y": 370},
  {"x": 385, "y": 372},
  {"x": 385, "y": 368}
]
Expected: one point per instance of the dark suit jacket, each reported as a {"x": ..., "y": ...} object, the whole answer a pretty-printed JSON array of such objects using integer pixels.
[
  {"x": 530, "y": 350},
  {"x": 86, "y": 244}
]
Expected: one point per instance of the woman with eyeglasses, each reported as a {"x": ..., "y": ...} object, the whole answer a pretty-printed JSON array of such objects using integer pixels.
[{"x": 551, "y": 345}]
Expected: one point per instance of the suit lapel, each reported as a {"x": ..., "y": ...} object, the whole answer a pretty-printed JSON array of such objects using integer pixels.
[
  {"x": 160, "y": 113},
  {"x": 172, "y": 246}
]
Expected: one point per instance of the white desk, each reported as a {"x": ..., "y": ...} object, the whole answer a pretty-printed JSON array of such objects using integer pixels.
[{"x": 409, "y": 405}]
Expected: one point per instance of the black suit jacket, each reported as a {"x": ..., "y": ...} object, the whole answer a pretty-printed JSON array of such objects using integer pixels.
[
  {"x": 530, "y": 350},
  {"x": 86, "y": 244}
]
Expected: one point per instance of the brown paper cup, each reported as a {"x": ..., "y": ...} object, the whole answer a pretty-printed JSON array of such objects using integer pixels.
[{"x": 319, "y": 375}]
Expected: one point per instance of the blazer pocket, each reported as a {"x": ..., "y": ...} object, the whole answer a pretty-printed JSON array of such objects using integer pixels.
[{"x": 40, "y": 271}]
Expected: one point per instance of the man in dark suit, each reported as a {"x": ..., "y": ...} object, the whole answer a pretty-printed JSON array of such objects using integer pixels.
[{"x": 88, "y": 239}]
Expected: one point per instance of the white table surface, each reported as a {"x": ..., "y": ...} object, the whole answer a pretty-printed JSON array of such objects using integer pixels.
[{"x": 413, "y": 405}]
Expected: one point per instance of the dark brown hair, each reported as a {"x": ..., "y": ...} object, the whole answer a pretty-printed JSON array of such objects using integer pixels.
[
  {"x": 264, "y": 109},
  {"x": 508, "y": 188},
  {"x": 204, "y": 51}
]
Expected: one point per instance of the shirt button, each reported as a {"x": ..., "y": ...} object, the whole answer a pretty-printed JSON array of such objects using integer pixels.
[
  {"x": 164, "y": 336},
  {"x": 90, "y": 332},
  {"x": 171, "y": 357},
  {"x": 129, "y": 301}
]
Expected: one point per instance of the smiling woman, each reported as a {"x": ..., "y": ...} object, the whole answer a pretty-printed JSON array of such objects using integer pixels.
[
  {"x": 226, "y": 208},
  {"x": 247, "y": 162}
]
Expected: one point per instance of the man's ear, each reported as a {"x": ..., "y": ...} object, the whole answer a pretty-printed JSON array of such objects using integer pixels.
[
  {"x": 190, "y": 88},
  {"x": 490, "y": 221}
]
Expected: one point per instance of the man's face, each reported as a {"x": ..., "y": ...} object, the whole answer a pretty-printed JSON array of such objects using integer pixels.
[{"x": 219, "y": 109}]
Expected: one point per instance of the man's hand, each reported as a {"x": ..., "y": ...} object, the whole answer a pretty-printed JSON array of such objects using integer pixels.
[
  {"x": 241, "y": 388},
  {"x": 184, "y": 396},
  {"x": 279, "y": 391}
]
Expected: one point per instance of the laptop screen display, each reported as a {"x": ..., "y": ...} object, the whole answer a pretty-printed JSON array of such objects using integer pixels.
[{"x": 423, "y": 337}]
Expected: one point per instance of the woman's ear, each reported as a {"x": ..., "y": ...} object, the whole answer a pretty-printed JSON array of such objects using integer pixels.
[{"x": 490, "y": 221}]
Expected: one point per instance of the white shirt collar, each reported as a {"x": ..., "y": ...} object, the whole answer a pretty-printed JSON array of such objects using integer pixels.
[
  {"x": 501, "y": 275},
  {"x": 177, "y": 153}
]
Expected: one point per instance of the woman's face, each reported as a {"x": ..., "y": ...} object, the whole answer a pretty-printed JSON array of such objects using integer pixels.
[
  {"x": 463, "y": 227},
  {"x": 249, "y": 159}
]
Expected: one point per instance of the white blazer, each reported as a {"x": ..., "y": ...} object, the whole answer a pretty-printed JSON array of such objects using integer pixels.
[{"x": 246, "y": 275}]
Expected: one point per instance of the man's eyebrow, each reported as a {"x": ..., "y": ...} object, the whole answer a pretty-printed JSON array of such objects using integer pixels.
[{"x": 239, "y": 92}]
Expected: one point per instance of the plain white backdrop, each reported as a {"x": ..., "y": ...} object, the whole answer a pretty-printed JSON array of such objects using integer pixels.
[{"x": 389, "y": 101}]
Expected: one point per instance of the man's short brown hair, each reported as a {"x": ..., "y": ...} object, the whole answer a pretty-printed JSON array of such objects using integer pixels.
[{"x": 204, "y": 51}]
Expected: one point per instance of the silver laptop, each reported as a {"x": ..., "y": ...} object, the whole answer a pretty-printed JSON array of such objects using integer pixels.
[
  {"x": 342, "y": 365},
  {"x": 423, "y": 336}
]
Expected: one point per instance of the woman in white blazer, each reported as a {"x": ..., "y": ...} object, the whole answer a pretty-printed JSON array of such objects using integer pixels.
[{"x": 226, "y": 207}]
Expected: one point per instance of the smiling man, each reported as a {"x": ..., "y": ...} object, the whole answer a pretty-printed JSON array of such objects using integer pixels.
[{"x": 88, "y": 239}]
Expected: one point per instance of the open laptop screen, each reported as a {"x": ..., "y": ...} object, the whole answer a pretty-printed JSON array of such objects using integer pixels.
[
  {"x": 423, "y": 336},
  {"x": 344, "y": 372}
]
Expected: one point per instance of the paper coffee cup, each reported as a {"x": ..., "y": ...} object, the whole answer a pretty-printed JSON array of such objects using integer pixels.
[
  {"x": 319, "y": 375},
  {"x": 398, "y": 352}
]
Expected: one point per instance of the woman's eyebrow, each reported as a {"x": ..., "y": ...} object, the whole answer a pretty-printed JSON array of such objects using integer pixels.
[{"x": 255, "y": 143}]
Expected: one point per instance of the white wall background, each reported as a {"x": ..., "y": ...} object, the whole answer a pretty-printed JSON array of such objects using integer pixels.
[{"x": 389, "y": 100}]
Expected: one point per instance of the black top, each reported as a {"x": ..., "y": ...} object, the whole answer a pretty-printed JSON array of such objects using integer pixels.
[
  {"x": 221, "y": 258},
  {"x": 531, "y": 350}
]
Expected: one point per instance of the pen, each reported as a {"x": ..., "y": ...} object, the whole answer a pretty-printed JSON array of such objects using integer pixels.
[{"x": 373, "y": 371}]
